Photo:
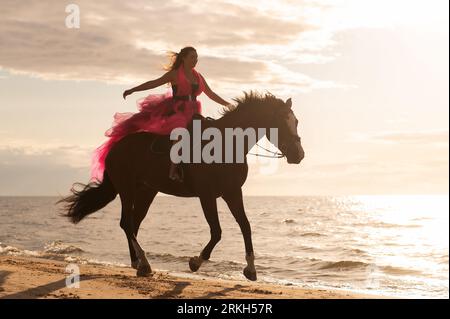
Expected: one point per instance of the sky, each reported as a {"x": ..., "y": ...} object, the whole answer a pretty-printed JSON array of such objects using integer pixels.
[{"x": 368, "y": 81}]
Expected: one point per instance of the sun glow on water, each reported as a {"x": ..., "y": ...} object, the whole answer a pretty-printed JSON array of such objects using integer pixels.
[{"x": 411, "y": 232}]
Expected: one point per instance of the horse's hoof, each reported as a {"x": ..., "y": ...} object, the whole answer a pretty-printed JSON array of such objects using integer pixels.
[
  {"x": 249, "y": 274},
  {"x": 134, "y": 264},
  {"x": 194, "y": 264},
  {"x": 144, "y": 271}
]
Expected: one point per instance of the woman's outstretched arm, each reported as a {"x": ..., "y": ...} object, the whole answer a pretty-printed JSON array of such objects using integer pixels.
[
  {"x": 150, "y": 84},
  {"x": 212, "y": 95}
]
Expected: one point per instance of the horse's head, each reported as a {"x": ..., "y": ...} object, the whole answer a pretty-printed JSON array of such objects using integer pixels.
[{"x": 289, "y": 143}]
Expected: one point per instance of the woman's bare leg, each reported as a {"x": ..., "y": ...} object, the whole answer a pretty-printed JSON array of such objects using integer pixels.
[{"x": 173, "y": 170}]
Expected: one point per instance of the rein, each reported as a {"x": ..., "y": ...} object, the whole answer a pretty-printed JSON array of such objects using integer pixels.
[{"x": 274, "y": 154}]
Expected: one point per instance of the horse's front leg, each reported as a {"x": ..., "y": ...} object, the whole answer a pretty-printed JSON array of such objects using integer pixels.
[
  {"x": 209, "y": 206},
  {"x": 235, "y": 203}
]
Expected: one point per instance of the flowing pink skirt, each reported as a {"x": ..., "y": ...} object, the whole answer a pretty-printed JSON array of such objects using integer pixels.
[{"x": 158, "y": 113}]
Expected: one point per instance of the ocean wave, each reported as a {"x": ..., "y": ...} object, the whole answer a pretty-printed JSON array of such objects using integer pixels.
[
  {"x": 58, "y": 247},
  {"x": 14, "y": 251},
  {"x": 393, "y": 270},
  {"x": 90, "y": 261},
  {"x": 386, "y": 225},
  {"x": 312, "y": 234},
  {"x": 343, "y": 264},
  {"x": 166, "y": 257},
  {"x": 421, "y": 219},
  {"x": 350, "y": 265},
  {"x": 55, "y": 250},
  {"x": 355, "y": 251},
  {"x": 347, "y": 252},
  {"x": 443, "y": 260}
]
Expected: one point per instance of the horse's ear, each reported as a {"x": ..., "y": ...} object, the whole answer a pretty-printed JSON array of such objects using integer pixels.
[{"x": 289, "y": 102}]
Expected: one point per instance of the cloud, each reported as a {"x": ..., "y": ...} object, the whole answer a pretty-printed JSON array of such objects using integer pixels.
[
  {"x": 29, "y": 153},
  {"x": 31, "y": 169},
  {"x": 434, "y": 136},
  {"x": 424, "y": 137},
  {"x": 126, "y": 42}
]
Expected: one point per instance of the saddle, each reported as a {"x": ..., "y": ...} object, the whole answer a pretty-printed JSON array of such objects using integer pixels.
[{"x": 161, "y": 144}]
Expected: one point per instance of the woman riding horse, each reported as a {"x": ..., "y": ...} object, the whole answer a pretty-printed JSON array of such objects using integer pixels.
[{"x": 160, "y": 114}]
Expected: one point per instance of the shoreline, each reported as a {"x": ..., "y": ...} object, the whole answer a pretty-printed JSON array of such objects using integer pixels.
[{"x": 40, "y": 278}]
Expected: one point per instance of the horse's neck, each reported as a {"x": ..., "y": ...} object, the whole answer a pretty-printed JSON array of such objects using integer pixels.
[{"x": 250, "y": 117}]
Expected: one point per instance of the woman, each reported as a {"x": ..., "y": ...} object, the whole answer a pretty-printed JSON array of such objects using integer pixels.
[{"x": 162, "y": 112}]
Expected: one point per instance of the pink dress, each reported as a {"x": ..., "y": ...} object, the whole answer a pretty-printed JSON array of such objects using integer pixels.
[{"x": 158, "y": 113}]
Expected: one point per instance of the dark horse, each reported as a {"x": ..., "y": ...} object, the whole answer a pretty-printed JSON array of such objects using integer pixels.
[{"x": 137, "y": 173}]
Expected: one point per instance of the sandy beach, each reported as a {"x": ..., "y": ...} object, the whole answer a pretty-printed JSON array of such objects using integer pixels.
[{"x": 31, "y": 278}]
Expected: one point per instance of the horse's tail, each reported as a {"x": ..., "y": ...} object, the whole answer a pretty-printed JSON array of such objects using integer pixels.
[{"x": 93, "y": 196}]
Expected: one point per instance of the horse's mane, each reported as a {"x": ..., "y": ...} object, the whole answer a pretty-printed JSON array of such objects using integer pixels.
[{"x": 252, "y": 99}]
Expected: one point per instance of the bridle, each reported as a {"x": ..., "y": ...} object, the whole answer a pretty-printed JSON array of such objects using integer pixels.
[
  {"x": 291, "y": 139},
  {"x": 275, "y": 154}
]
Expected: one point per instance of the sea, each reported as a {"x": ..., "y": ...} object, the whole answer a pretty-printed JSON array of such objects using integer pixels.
[{"x": 394, "y": 246}]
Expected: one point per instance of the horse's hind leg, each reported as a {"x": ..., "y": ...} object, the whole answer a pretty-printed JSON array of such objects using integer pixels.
[
  {"x": 127, "y": 223},
  {"x": 209, "y": 206},
  {"x": 142, "y": 202}
]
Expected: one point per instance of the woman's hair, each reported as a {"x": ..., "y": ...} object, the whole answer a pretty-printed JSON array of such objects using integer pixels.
[{"x": 177, "y": 58}]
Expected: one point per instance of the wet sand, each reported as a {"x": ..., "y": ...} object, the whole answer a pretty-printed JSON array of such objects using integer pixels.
[{"x": 31, "y": 278}]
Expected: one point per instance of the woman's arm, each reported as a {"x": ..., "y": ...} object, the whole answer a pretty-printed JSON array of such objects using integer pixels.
[
  {"x": 150, "y": 84},
  {"x": 212, "y": 95}
]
